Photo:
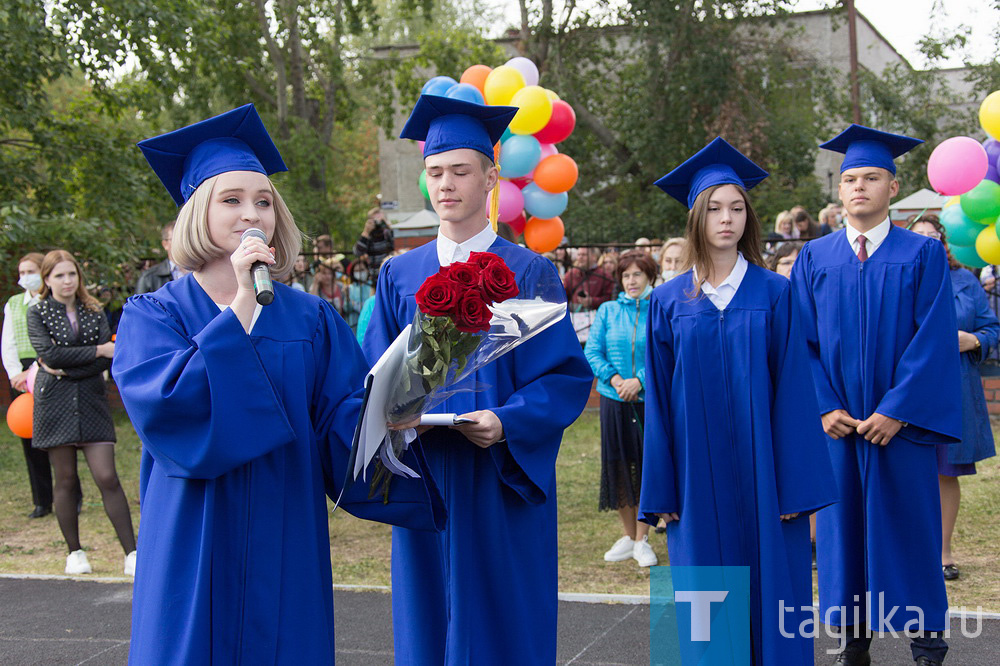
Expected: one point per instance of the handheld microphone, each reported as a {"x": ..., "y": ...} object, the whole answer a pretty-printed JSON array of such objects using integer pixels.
[{"x": 260, "y": 273}]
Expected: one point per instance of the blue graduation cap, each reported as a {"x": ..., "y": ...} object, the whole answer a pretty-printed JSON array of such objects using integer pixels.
[
  {"x": 866, "y": 147},
  {"x": 444, "y": 124},
  {"x": 718, "y": 163},
  {"x": 233, "y": 141}
]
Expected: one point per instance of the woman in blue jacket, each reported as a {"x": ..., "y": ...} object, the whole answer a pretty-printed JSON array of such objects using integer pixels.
[
  {"x": 978, "y": 332},
  {"x": 616, "y": 350}
]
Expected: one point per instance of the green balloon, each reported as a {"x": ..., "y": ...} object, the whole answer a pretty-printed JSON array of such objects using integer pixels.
[
  {"x": 982, "y": 202},
  {"x": 422, "y": 181},
  {"x": 967, "y": 256},
  {"x": 961, "y": 230}
]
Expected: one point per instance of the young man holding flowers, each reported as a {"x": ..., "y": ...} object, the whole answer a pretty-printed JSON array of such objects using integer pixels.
[{"x": 484, "y": 590}]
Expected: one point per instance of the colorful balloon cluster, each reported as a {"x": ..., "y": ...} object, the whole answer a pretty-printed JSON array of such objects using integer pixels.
[
  {"x": 535, "y": 178},
  {"x": 969, "y": 172}
]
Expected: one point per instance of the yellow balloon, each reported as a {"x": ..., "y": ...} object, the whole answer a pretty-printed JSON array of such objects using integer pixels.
[
  {"x": 501, "y": 85},
  {"x": 989, "y": 114},
  {"x": 534, "y": 109},
  {"x": 951, "y": 202},
  {"x": 988, "y": 245},
  {"x": 552, "y": 96}
]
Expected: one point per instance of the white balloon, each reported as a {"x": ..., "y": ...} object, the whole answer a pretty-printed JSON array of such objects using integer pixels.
[{"x": 527, "y": 69}]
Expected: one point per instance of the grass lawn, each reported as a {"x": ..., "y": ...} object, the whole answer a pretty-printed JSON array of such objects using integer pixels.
[{"x": 360, "y": 550}]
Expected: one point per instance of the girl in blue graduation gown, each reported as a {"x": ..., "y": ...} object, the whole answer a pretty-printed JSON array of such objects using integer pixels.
[
  {"x": 246, "y": 415},
  {"x": 978, "y": 333},
  {"x": 734, "y": 456}
]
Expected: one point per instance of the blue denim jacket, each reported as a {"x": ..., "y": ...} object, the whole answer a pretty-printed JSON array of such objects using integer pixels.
[{"x": 616, "y": 344}]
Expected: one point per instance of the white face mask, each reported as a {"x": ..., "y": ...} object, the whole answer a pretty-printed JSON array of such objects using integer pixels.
[
  {"x": 668, "y": 275},
  {"x": 30, "y": 282}
]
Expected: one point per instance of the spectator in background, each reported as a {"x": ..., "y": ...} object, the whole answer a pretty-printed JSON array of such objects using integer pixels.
[
  {"x": 301, "y": 276},
  {"x": 73, "y": 340},
  {"x": 783, "y": 226},
  {"x": 978, "y": 333},
  {"x": 586, "y": 286},
  {"x": 783, "y": 260},
  {"x": 323, "y": 249},
  {"x": 609, "y": 264},
  {"x": 642, "y": 244},
  {"x": 671, "y": 259},
  {"x": 376, "y": 241},
  {"x": 360, "y": 288},
  {"x": 829, "y": 219},
  {"x": 18, "y": 356},
  {"x": 562, "y": 260},
  {"x": 805, "y": 227},
  {"x": 325, "y": 283},
  {"x": 159, "y": 274},
  {"x": 616, "y": 350}
]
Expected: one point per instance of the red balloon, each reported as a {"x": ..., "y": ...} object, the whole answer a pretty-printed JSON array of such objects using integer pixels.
[
  {"x": 20, "y": 415},
  {"x": 517, "y": 225},
  {"x": 520, "y": 182},
  {"x": 560, "y": 125}
]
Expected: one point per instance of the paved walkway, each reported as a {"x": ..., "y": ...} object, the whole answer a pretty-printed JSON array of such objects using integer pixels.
[{"x": 57, "y": 621}]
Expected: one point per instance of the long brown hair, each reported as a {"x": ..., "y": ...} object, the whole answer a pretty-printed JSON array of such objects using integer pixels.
[
  {"x": 83, "y": 297},
  {"x": 696, "y": 253},
  {"x": 935, "y": 222}
]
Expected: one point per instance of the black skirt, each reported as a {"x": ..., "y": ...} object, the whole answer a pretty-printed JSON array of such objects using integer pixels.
[{"x": 621, "y": 453}]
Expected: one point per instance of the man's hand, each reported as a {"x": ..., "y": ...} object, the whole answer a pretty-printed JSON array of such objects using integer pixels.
[
  {"x": 668, "y": 517},
  {"x": 19, "y": 382},
  {"x": 485, "y": 429},
  {"x": 839, "y": 423},
  {"x": 415, "y": 424},
  {"x": 879, "y": 429},
  {"x": 789, "y": 516}
]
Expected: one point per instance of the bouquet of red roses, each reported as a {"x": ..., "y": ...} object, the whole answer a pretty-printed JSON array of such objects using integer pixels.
[{"x": 468, "y": 314}]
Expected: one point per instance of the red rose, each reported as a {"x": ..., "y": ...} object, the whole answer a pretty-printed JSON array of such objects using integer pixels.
[
  {"x": 438, "y": 296},
  {"x": 483, "y": 259},
  {"x": 498, "y": 282},
  {"x": 464, "y": 274},
  {"x": 472, "y": 314}
]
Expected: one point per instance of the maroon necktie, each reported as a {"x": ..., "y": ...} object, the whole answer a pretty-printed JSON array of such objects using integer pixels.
[{"x": 862, "y": 250}]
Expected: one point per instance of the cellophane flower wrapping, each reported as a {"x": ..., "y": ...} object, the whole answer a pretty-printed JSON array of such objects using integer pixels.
[{"x": 468, "y": 315}]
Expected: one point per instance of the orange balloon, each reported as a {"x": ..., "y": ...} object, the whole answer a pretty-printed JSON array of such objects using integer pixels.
[
  {"x": 544, "y": 235},
  {"x": 556, "y": 173},
  {"x": 20, "y": 415},
  {"x": 476, "y": 76}
]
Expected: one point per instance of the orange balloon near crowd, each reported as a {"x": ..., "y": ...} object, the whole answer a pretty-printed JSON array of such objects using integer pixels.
[
  {"x": 544, "y": 235},
  {"x": 476, "y": 76},
  {"x": 20, "y": 415},
  {"x": 556, "y": 173}
]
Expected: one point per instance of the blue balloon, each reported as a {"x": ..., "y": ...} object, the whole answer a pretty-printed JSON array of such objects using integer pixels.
[
  {"x": 962, "y": 230},
  {"x": 542, "y": 204},
  {"x": 519, "y": 155},
  {"x": 967, "y": 256},
  {"x": 439, "y": 85},
  {"x": 466, "y": 92}
]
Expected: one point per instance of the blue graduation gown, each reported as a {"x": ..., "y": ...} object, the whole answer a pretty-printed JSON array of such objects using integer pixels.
[
  {"x": 485, "y": 590},
  {"x": 242, "y": 434},
  {"x": 882, "y": 338},
  {"x": 733, "y": 441},
  {"x": 973, "y": 315}
]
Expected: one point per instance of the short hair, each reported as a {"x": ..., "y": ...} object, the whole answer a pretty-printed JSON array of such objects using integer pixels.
[
  {"x": 34, "y": 257},
  {"x": 643, "y": 261},
  {"x": 784, "y": 250},
  {"x": 192, "y": 246},
  {"x": 166, "y": 229}
]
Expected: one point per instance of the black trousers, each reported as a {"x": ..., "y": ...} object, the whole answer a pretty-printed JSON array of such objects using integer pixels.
[
  {"x": 39, "y": 471},
  {"x": 930, "y": 644}
]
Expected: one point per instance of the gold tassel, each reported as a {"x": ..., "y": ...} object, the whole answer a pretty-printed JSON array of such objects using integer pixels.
[{"x": 495, "y": 198}]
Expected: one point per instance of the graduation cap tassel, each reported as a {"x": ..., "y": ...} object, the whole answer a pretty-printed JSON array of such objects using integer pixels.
[{"x": 495, "y": 199}]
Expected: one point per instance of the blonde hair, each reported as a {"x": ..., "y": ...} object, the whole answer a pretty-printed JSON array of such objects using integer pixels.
[
  {"x": 192, "y": 246},
  {"x": 83, "y": 297},
  {"x": 781, "y": 217}
]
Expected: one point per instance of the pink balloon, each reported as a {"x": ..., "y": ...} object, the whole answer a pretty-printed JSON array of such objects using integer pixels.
[
  {"x": 511, "y": 200},
  {"x": 30, "y": 377},
  {"x": 421, "y": 144},
  {"x": 957, "y": 165}
]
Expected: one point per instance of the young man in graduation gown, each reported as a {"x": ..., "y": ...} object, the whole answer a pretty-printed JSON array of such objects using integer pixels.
[
  {"x": 879, "y": 320},
  {"x": 246, "y": 415},
  {"x": 483, "y": 591}
]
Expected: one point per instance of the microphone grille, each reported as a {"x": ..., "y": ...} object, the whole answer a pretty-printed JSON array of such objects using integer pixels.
[{"x": 253, "y": 233}]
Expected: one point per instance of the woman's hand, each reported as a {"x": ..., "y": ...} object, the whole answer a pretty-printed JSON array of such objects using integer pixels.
[
  {"x": 249, "y": 251},
  {"x": 106, "y": 350},
  {"x": 667, "y": 518},
  {"x": 967, "y": 341},
  {"x": 628, "y": 389},
  {"x": 19, "y": 382},
  {"x": 789, "y": 516},
  {"x": 51, "y": 371}
]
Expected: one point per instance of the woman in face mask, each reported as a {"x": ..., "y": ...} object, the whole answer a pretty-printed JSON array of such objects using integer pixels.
[
  {"x": 18, "y": 356},
  {"x": 670, "y": 259}
]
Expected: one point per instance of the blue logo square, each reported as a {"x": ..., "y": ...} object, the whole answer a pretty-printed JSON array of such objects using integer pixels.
[{"x": 699, "y": 616}]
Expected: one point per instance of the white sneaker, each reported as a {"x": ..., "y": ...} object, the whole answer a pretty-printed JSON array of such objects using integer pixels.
[
  {"x": 622, "y": 550},
  {"x": 76, "y": 563},
  {"x": 643, "y": 553},
  {"x": 130, "y": 564}
]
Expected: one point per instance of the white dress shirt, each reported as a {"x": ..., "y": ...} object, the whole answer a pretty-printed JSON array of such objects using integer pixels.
[
  {"x": 875, "y": 236},
  {"x": 8, "y": 346},
  {"x": 450, "y": 252},
  {"x": 722, "y": 295},
  {"x": 257, "y": 309}
]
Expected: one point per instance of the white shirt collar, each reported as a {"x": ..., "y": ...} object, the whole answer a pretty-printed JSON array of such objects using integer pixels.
[
  {"x": 450, "y": 252},
  {"x": 874, "y": 237},
  {"x": 722, "y": 295}
]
